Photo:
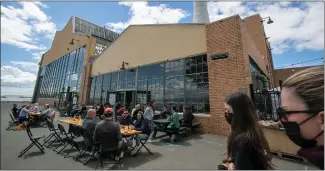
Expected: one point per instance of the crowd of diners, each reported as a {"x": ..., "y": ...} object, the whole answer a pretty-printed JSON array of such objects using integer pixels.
[
  {"x": 301, "y": 114},
  {"x": 100, "y": 123},
  {"x": 23, "y": 113},
  {"x": 140, "y": 118}
]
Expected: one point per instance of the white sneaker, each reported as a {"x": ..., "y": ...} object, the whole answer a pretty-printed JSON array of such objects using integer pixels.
[
  {"x": 149, "y": 141},
  {"x": 172, "y": 138},
  {"x": 135, "y": 150},
  {"x": 121, "y": 155}
]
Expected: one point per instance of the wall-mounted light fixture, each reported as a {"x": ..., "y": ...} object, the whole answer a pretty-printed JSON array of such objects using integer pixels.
[
  {"x": 269, "y": 21},
  {"x": 123, "y": 65},
  {"x": 72, "y": 43}
]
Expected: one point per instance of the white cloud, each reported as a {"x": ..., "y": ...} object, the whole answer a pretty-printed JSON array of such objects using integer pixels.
[
  {"x": 142, "y": 13},
  {"x": 29, "y": 66},
  {"x": 38, "y": 55},
  {"x": 14, "y": 77},
  {"x": 20, "y": 26},
  {"x": 295, "y": 27}
]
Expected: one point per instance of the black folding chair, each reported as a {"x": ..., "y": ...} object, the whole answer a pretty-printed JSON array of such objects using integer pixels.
[
  {"x": 71, "y": 140},
  {"x": 111, "y": 153},
  {"x": 90, "y": 146},
  {"x": 14, "y": 122},
  {"x": 143, "y": 141},
  {"x": 34, "y": 140},
  {"x": 53, "y": 134}
]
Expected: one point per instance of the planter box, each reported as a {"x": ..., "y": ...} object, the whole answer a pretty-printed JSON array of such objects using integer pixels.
[{"x": 279, "y": 142}]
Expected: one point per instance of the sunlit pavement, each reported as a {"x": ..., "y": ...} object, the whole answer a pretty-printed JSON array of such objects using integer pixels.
[{"x": 194, "y": 152}]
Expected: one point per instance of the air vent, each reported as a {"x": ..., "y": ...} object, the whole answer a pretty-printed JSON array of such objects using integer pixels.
[{"x": 219, "y": 56}]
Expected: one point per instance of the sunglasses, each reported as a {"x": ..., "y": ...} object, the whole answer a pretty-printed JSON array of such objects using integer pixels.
[{"x": 282, "y": 113}]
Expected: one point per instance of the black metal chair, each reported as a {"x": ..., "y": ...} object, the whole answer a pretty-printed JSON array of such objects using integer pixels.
[
  {"x": 90, "y": 146},
  {"x": 14, "y": 122},
  {"x": 143, "y": 141},
  {"x": 34, "y": 141},
  {"x": 53, "y": 133},
  {"x": 70, "y": 140},
  {"x": 112, "y": 153}
]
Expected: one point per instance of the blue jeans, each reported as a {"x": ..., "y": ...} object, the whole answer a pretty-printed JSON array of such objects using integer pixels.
[
  {"x": 21, "y": 119},
  {"x": 138, "y": 137}
]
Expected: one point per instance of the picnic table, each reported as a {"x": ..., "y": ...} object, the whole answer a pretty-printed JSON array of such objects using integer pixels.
[
  {"x": 124, "y": 130},
  {"x": 161, "y": 125},
  {"x": 36, "y": 114}
]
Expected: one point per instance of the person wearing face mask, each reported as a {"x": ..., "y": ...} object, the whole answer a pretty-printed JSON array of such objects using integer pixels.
[
  {"x": 302, "y": 113},
  {"x": 247, "y": 147}
]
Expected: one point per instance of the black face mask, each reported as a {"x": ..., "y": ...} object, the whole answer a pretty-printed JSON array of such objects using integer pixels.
[
  {"x": 293, "y": 132},
  {"x": 228, "y": 117}
]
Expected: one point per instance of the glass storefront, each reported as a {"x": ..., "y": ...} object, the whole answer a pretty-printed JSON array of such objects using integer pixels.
[
  {"x": 61, "y": 78},
  {"x": 259, "y": 80},
  {"x": 173, "y": 83}
]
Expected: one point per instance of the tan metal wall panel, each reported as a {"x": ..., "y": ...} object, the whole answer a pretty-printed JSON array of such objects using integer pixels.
[{"x": 146, "y": 44}]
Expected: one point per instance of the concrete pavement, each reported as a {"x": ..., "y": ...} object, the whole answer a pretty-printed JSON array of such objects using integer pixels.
[{"x": 195, "y": 152}]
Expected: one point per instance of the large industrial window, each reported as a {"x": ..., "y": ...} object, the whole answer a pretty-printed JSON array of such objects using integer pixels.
[
  {"x": 197, "y": 84},
  {"x": 259, "y": 79},
  {"x": 174, "y": 83},
  {"x": 62, "y": 75},
  {"x": 83, "y": 26}
]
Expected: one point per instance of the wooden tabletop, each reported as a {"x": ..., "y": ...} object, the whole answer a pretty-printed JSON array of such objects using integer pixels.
[
  {"x": 79, "y": 123},
  {"x": 35, "y": 113}
]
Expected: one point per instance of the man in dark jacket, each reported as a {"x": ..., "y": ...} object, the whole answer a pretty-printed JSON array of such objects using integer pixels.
[
  {"x": 14, "y": 111},
  {"x": 108, "y": 134},
  {"x": 90, "y": 121}
]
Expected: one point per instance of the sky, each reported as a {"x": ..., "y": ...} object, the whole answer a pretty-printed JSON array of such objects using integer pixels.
[{"x": 28, "y": 29}]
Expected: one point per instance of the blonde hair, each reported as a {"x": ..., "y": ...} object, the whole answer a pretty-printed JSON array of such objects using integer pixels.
[
  {"x": 309, "y": 86},
  {"x": 91, "y": 111}
]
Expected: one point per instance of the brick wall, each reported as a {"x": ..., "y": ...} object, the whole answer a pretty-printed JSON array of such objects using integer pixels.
[
  {"x": 225, "y": 75},
  {"x": 250, "y": 50},
  {"x": 255, "y": 30}
]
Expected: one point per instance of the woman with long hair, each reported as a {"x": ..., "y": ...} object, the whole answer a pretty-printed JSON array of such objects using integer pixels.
[
  {"x": 302, "y": 113},
  {"x": 247, "y": 148}
]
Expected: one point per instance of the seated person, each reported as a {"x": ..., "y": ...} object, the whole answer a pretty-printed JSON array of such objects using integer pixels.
[
  {"x": 138, "y": 122},
  {"x": 135, "y": 111},
  {"x": 141, "y": 125},
  {"x": 121, "y": 110},
  {"x": 90, "y": 121},
  {"x": 23, "y": 106},
  {"x": 47, "y": 111},
  {"x": 108, "y": 134},
  {"x": 125, "y": 118},
  {"x": 174, "y": 125},
  {"x": 188, "y": 117},
  {"x": 36, "y": 108},
  {"x": 23, "y": 115},
  {"x": 100, "y": 110},
  {"x": 89, "y": 125},
  {"x": 83, "y": 109},
  {"x": 14, "y": 111},
  {"x": 165, "y": 112}
]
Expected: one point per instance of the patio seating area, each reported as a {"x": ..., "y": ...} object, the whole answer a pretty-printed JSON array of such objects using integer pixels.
[{"x": 196, "y": 151}]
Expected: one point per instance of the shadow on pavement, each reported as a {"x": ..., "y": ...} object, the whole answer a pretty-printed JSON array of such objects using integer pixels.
[{"x": 127, "y": 162}]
